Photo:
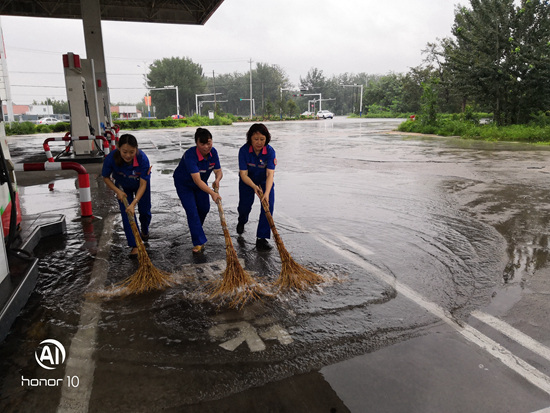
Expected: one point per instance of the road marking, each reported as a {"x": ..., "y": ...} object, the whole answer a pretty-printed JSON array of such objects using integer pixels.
[
  {"x": 514, "y": 334},
  {"x": 356, "y": 246},
  {"x": 276, "y": 332},
  {"x": 516, "y": 364},
  {"x": 80, "y": 361},
  {"x": 247, "y": 333}
]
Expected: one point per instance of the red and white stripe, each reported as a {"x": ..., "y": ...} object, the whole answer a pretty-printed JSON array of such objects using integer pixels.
[
  {"x": 67, "y": 138},
  {"x": 83, "y": 179}
]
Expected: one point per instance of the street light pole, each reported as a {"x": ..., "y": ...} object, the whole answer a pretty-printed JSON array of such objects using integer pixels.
[
  {"x": 361, "y": 97},
  {"x": 177, "y": 96},
  {"x": 177, "y": 102},
  {"x": 197, "y": 106}
]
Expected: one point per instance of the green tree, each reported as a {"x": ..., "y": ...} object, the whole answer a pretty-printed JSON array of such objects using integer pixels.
[
  {"x": 269, "y": 108},
  {"x": 429, "y": 103},
  {"x": 266, "y": 83},
  {"x": 314, "y": 80},
  {"x": 292, "y": 108},
  {"x": 500, "y": 57},
  {"x": 181, "y": 72},
  {"x": 59, "y": 106},
  {"x": 386, "y": 91}
]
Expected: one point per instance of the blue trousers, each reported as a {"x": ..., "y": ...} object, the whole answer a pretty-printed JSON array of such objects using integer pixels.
[
  {"x": 144, "y": 209},
  {"x": 246, "y": 200},
  {"x": 196, "y": 203}
]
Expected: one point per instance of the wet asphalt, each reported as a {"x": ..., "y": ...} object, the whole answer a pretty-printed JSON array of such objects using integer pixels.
[{"x": 424, "y": 242}]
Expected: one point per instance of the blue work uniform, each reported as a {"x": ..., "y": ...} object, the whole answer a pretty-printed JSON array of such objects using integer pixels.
[
  {"x": 128, "y": 177},
  {"x": 256, "y": 165},
  {"x": 194, "y": 200}
]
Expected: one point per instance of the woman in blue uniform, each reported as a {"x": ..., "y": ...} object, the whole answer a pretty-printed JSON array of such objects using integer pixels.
[
  {"x": 130, "y": 169},
  {"x": 191, "y": 181},
  {"x": 257, "y": 163}
]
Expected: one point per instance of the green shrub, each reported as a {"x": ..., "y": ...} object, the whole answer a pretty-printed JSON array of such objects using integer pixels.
[
  {"x": 20, "y": 128},
  {"x": 469, "y": 130},
  {"x": 61, "y": 127},
  {"x": 44, "y": 128}
]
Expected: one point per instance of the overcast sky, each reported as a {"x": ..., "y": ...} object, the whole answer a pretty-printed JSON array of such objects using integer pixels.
[{"x": 351, "y": 36}]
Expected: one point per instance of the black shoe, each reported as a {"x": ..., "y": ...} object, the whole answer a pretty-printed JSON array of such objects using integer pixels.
[
  {"x": 240, "y": 228},
  {"x": 144, "y": 237},
  {"x": 263, "y": 245}
]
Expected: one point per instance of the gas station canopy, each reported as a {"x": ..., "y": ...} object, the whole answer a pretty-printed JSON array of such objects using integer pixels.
[{"x": 153, "y": 11}]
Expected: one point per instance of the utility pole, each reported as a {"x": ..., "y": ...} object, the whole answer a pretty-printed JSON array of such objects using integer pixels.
[
  {"x": 147, "y": 96},
  {"x": 251, "y": 88},
  {"x": 214, "y": 78}
]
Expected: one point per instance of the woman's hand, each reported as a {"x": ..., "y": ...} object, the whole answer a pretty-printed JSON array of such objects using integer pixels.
[
  {"x": 131, "y": 210},
  {"x": 215, "y": 197},
  {"x": 120, "y": 194},
  {"x": 258, "y": 190},
  {"x": 216, "y": 184}
]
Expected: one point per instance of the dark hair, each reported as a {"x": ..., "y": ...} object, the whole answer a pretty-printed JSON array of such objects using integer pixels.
[
  {"x": 125, "y": 139},
  {"x": 258, "y": 127},
  {"x": 202, "y": 135}
]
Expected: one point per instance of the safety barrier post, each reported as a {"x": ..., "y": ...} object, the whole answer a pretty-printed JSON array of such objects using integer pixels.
[{"x": 83, "y": 179}]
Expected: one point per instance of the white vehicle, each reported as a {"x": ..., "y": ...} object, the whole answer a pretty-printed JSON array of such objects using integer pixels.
[
  {"x": 48, "y": 121},
  {"x": 325, "y": 114},
  {"x": 307, "y": 113}
]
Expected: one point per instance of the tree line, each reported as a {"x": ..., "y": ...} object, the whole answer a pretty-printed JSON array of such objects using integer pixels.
[{"x": 497, "y": 60}]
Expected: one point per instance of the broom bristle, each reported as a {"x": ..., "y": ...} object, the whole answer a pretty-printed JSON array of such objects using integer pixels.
[
  {"x": 292, "y": 275},
  {"x": 237, "y": 287},
  {"x": 147, "y": 277}
]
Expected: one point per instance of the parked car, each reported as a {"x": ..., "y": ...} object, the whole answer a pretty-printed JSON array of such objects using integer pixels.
[
  {"x": 325, "y": 114},
  {"x": 48, "y": 121},
  {"x": 307, "y": 113},
  {"x": 178, "y": 117}
]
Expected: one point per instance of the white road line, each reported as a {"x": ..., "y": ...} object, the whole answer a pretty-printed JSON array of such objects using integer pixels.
[
  {"x": 545, "y": 410},
  {"x": 513, "y": 362},
  {"x": 516, "y": 364},
  {"x": 80, "y": 362},
  {"x": 354, "y": 245},
  {"x": 514, "y": 334}
]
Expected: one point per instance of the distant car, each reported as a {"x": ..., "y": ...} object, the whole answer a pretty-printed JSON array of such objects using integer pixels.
[
  {"x": 48, "y": 121},
  {"x": 178, "y": 117},
  {"x": 325, "y": 114},
  {"x": 307, "y": 113}
]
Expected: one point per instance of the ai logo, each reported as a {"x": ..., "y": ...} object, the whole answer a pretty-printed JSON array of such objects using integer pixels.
[{"x": 51, "y": 355}]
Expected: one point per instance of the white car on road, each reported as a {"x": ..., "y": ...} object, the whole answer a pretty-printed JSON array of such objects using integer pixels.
[
  {"x": 325, "y": 114},
  {"x": 48, "y": 121}
]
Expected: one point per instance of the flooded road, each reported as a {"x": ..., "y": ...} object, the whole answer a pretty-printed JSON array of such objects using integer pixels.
[{"x": 415, "y": 234}]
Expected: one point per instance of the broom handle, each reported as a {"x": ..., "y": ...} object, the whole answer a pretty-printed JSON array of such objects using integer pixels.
[
  {"x": 269, "y": 217},
  {"x": 132, "y": 220},
  {"x": 220, "y": 211},
  {"x": 226, "y": 234}
]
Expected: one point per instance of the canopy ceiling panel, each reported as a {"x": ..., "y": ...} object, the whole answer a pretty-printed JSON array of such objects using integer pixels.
[{"x": 154, "y": 11}]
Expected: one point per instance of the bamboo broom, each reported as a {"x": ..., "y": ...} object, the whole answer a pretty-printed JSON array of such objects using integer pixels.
[
  {"x": 237, "y": 285},
  {"x": 147, "y": 277},
  {"x": 293, "y": 275}
]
